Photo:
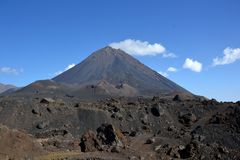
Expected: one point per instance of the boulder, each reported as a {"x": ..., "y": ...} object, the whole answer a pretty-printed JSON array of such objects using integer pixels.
[
  {"x": 89, "y": 142},
  {"x": 187, "y": 119},
  {"x": 35, "y": 110},
  {"x": 144, "y": 119},
  {"x": 133, "y": 134},
  {"x": 92, "y": 118},
  {"x": 157, "y": 110},
  {"x": 47, "y": 100},
  {"x": 186, "y": 152},
  {"x": 106, "y": 133},
  {"x": 177, "y": 98},
  {"x": 42, "y": 125},
  {"x": 106, "y": 138},
  {"x": 150, "y": 140}
]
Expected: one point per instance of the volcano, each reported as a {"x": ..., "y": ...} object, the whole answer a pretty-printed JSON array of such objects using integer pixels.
[{"x": 110, "y": 71}]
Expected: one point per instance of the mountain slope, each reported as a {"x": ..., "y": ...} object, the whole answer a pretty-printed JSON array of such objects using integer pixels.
[{"x": 114, "y": 72}]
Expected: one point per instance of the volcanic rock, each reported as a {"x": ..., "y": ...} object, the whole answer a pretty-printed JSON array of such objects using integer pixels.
[
  {"x": 150, "y": 140},
  {"x": 35, "y": 110},
  {"x": 157, "y": 110},
  {"x": 42, "y": 125},
  {"x": 108, "y": 135},
  {"x": 177, "y": 98},
  {"x": 89, "y": 142},
  {"x": 47, "y": 100},
  {"x": 187, "y": 118}
]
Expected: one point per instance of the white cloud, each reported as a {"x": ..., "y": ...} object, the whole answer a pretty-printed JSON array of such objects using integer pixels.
[
  {"x": 9, "y": 70},
  {"x": 230, "y": 56},
  {"x": 163, "y": 73},
  {"x": 192, "y": 65},
  {"x": 67, "y": 68},
  {"x": 172, "y": 69},
  {"x": 169, "y": 55},
  {"x": 140, "y": 48}
]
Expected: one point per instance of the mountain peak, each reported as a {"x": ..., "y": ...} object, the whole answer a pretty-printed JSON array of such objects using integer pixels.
[{"x": 109, "y": 51}]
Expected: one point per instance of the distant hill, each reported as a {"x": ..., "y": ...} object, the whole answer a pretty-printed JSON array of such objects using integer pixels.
[{"x": 7, "y": 88}]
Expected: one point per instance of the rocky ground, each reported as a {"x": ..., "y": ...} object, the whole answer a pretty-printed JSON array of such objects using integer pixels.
[{"x": 169, "y": 127}]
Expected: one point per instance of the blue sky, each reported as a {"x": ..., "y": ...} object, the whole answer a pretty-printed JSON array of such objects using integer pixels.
[{"x": 39, "y": 38}]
